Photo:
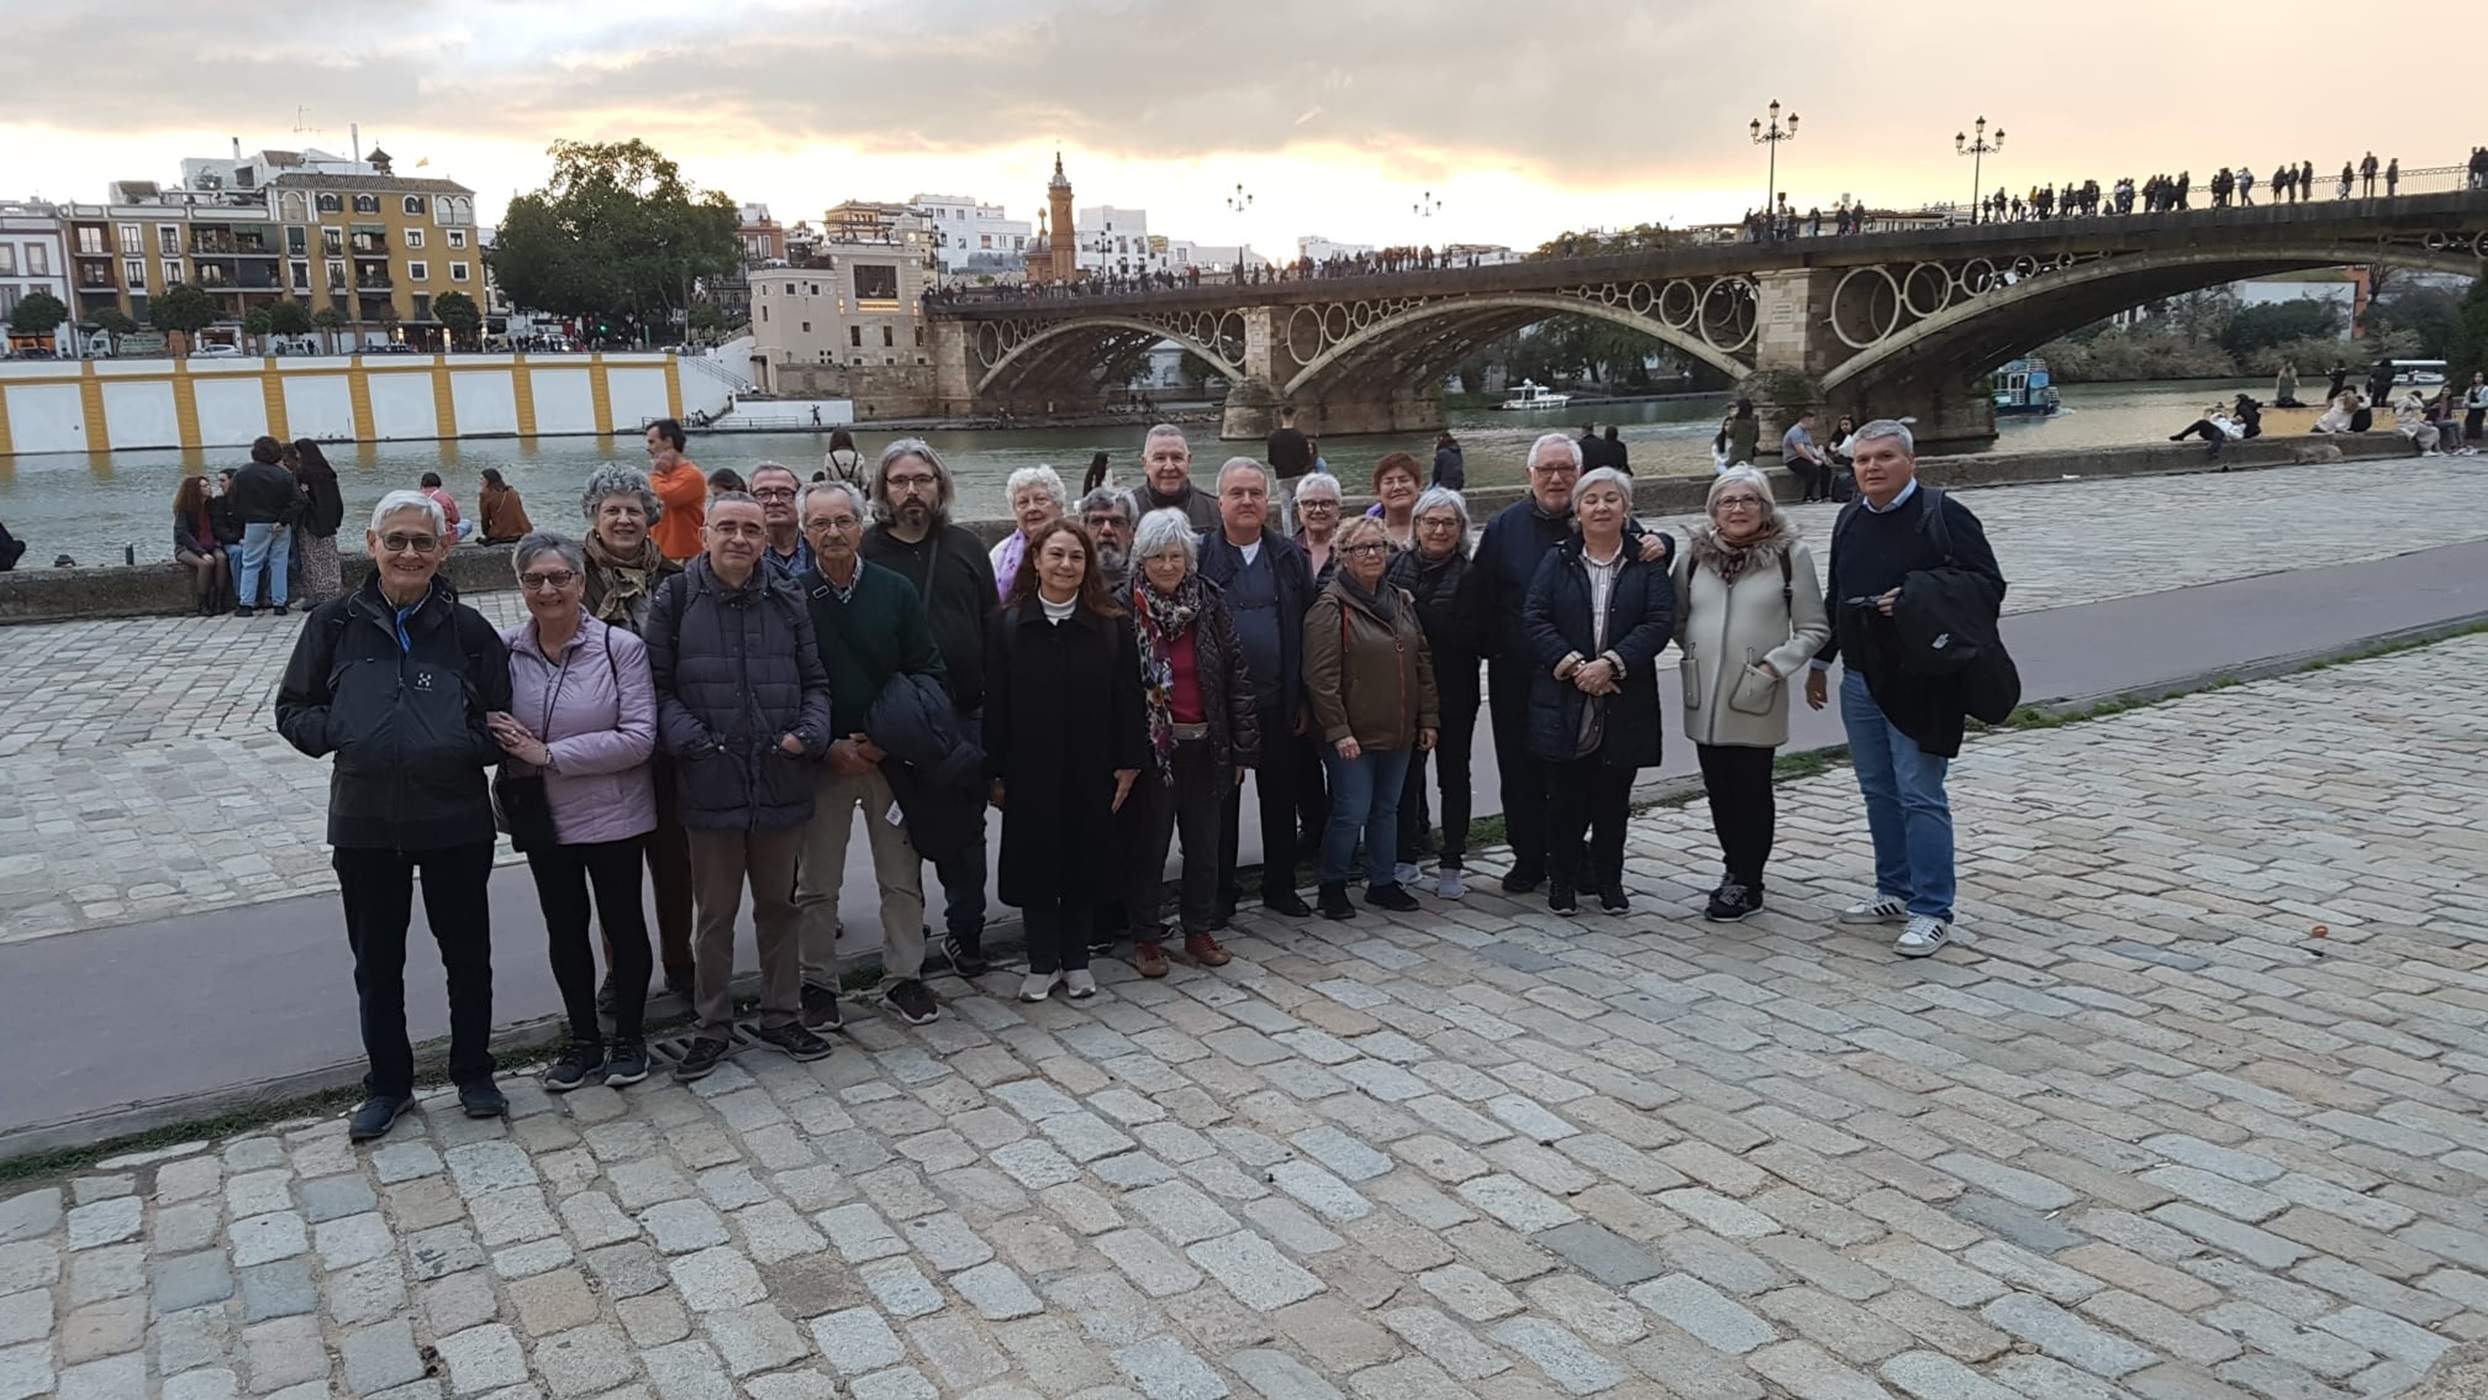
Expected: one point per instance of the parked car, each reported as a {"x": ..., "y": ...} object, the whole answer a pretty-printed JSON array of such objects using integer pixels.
[{"x": 216, "y": 352}]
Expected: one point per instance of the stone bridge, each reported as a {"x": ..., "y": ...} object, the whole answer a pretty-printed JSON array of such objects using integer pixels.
[{"x": 1876, "y": 324}]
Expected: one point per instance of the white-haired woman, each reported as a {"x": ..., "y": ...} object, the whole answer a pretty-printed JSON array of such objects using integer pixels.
[
  {"x": 1203, "y": 735},
  {"x": 1037, "y": 498},
  {"x": 1436, "y": 576},
  {"x": 399, "y": 680},
  {"x": 1317, "y": 505},
  {"x": 1749, "y": 615},
  {"x": 578, "y": 800}
]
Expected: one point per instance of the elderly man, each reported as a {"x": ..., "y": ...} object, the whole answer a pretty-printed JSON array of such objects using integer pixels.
[
  {"x": 398, "y": 680},
  {"x": 741, "y": 702},
  {"x": 915, "y": 539},
  {"x": 1268, "y": 586},
  {"x": 1507, "y": 558},
  {"x": 1107, "y": 514},
  {"x": 1166, "y": 466},
  {"x": 1903, "y": 727},
  {"x": 871, "y": 626},
  {"x": 775, "y": 486}
]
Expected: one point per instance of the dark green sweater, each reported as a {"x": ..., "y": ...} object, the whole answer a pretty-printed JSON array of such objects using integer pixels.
[{"x": 878, "y": 633}]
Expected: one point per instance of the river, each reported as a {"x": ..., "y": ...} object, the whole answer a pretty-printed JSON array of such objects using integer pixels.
[{"x": 92, "y": 507}]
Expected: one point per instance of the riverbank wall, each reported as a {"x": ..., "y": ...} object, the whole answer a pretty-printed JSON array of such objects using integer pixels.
[
  {"x": 194, "y": 402},
  {"x": 60, "y": 595}
]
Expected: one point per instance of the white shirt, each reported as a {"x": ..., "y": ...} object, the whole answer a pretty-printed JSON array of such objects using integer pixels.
[
  {"x": 1602, "y": 587},
  {"x": 1251, "y": 552},
  {"x": 1058, "y": 613}
]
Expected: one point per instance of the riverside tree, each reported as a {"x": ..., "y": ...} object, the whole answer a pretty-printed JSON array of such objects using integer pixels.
[
  {"x": 184, "y": 310},
  {"x": 616, "y": 238},
  {"x": 38, "y": 313},
  {"x": 458, "y": 312}
]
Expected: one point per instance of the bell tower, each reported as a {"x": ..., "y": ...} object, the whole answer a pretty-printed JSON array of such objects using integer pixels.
[{"x": 1066, "y": 247}]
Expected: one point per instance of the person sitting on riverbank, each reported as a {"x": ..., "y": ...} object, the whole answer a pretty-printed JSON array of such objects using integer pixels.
[
  {"x": 2342, "y": 415},
  {"x": 2410, "y": 419},
  {"x": 195, "y": 547},
  {"x": 505, "y": 515},
  {"x": 2216, "y": 427},
  {"x": 439, "y": 495}
]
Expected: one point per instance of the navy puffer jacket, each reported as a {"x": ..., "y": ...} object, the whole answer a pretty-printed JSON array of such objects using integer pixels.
[
  {"x": 1641, "y": 615},
  {"x": 736, "y": 670}
]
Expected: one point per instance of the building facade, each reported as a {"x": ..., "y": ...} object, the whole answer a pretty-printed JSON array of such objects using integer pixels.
[
  {"x": 850, "y": 324},
  {"x": 33, "y": 258},
  {"x": 971, "y": 237},
  {"x": 379, "y": 249},
  {"x": 1055, "y": 255}
]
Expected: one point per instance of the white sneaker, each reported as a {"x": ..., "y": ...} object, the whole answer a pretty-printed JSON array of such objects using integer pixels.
[
  {"x": 1406, "y": 873},
  {"x": 1081, "y": 983},
  {"x": 1451, "y": 882},
  {"x": 1882, "y": 909},
  {"x": 1036, "y": 986},
  {"x": 1925, "y": 934}
]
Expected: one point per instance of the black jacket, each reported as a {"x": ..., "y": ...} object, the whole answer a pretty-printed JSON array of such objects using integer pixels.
[
  {"x": 225, "y": 519},
  {"x": 1939, "y": 657},
  {"x": 1924, "y": 539},
  {"x": 1293, "y": 573},
  {"x": 1451, "y": 468},
  {"x": 12, "y": 549},
  {"x": 1641, "y": 615},
  {"x": 1445, "y": 592},
  {"x": 736, "y": 670},
  {"x": 264, "y": 494},
  {"x": 186, "y": 536},
  {"x": 1516, "y": 541},
  {"x": 934, "y": 764},
  {"x": 1226, "y": 686},
  {"x": 1062, "y": 714},
  {"x": 404, "y": 719},
  {"x": 954, "y": 576},
  {"x": 325, "y": 508}
]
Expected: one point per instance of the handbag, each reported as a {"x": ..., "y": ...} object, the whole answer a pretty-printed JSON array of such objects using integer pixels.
[{"x": 521, "y": 806}]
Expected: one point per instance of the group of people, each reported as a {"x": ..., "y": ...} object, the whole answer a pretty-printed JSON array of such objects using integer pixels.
[
  {"x": 267, "y": 529},
  {"x": 715, "y": 702}
]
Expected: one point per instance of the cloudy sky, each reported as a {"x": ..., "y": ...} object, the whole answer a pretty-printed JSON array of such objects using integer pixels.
[{"x": 1524, "y": 117}]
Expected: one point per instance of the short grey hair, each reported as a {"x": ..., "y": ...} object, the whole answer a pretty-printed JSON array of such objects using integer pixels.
[
  {"x": 1319, "y": 484},
  {"x": 854, "y": 495},
  {"x": 1040, "y": 476},
  {"x": 610, "y": 480},
  {"x": 1565, "y": 441},
  {"x": 1165, "y": 430},
  {"x": 946, "y": 487},
  {"x": 396, "y": 501},
  {"x": 1886, "y": 428},
  {"x": 547, "y": 542},
  {"x": 732, "y": 498},
  {"x": 1243, "y": 463},
  {"x": 1605, "y": 476},
  {"x": 1162, "y": 529},
  {"x": 775, "y": 467},
  {"x": 1442, "y": 498},
  {"x": 1106, "y": 498},
  {"x": 1746, "y": 475}
]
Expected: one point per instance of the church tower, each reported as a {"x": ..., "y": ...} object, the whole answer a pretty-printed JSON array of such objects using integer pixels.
[{"x": 1066, "y": 249}]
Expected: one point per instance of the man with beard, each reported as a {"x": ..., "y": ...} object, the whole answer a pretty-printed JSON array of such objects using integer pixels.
[
  {"x": 912, "y": 494},
  {"x": 1108, "y": 515}
]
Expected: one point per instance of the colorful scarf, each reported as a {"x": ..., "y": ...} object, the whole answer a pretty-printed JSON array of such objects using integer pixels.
[
  {"x": 1161, "y": 620},
  {"x": 629, "y": 582},
  {"x": 1730, "y": 561}
]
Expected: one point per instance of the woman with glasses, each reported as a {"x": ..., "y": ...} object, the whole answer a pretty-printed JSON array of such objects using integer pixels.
[
  {"x": 1317, "y": 523},
  {"x": 581, "y": 727},
  {"x": 1037, "y": 500},
  {"x": 1437, "y": 578},
  {"x": 1371, "y": 682},
  {"x": 1749, "y": 615},
  {"x": 1395, "y": 498}
]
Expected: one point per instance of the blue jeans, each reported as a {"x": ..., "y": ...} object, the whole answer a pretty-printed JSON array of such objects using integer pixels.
[
  {"x": 265, "y": 547},
  {"x": 1905, "y": 805},
  {"x": 1364, "y": 794}
]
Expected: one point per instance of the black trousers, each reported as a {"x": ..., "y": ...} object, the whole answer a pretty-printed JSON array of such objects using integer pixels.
[
  {"x": 565, "y": 877},
  {"x": 1312, "y": 785},
  {"x": 1592, "y": 798},
  {"x": 2205, "y": 429},
  {"x": 1275, "y": 782},
  {"x": 377, "y": 887},
  {"x": 1451, "y": 765},
  {"x": 1522, "y": 776},
  {"x": 1057, "y": 928},
  {"x": 1743, "y": 810},
  {"x": 1814, "y": 478},
  {"x": 1193, "y": 804}
]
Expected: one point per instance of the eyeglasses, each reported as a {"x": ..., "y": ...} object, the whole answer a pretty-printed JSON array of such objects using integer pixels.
[
  {"x": 738, "y": 529},
  {"x": 409, "y": 544},
  {"x": 773, "y": 493},
  {"x": 838, "y": 523},
  {"x": 1740, "y": 503},
  {"x": 912, "y": 482},
  {"x": 1438, "y": 522},
  {"x": 1368, "y": 547},
  {"x": 1317, "y": 504},
  {"x": 556, "y": 580}
]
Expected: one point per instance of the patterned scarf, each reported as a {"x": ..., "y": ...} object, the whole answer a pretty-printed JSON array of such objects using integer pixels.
[
  {"x": 630, "y": 582},
  {"x": 1730, "y": 561},
  {"x": 1161, "y": 620}
]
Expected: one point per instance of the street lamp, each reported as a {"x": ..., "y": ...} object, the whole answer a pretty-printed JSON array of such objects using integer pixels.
[
  {"x": 1427, "y": 207},
  {"x": 1977, "y": 149},
  {"x": 1772, "y": 135},
  {"x": 1239, "y": 204}
]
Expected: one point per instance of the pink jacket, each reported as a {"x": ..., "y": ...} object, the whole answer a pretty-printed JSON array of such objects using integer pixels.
[{"x": 595, "y": 707}]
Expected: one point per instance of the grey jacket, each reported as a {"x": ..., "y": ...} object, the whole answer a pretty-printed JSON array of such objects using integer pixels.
[{"x": 736, "y": 670}]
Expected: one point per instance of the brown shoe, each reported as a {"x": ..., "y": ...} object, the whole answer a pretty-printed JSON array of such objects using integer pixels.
[
  {"x": 1148, "y": 959},
  {"x": 1204, "y": 950}
]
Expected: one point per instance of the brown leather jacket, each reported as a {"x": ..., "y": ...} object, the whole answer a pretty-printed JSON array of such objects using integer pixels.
[{"x": 1370, "y": 678}]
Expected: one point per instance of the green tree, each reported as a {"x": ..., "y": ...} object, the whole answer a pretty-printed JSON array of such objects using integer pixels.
[
  {"x": 616, "y": 235},
  {"x": 460, "y": 314},
  {"x": 38, "y": 313},
  {"x": 710, "y": 319},
  {"x": 329, "y": 320},
  {"x": 2256, "y": 328},
  {"x": 2469, "y": 353},
  {"x": 2430, "y": 313},
  {"x": 184, "y": 310},
  {"x": 258, "y": 324},
  {"x": 115, "y": 320},
  {"x": 289, "y": 318}
]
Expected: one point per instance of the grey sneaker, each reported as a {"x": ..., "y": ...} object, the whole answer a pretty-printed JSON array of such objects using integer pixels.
[
  {"x": 1081, "y": 983},
  {"x": 1451, "y": 882},
  {"x": 1037, "y": 986},
  {"x": 1882, "y": 909},
  {"x": 1925, "y": 934},
  {"x": 1406, "y": 873}
]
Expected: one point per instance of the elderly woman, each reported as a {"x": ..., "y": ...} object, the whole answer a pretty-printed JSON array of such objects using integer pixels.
[
  {"x": 1435, "y": 575},
  {"x": 1597, "y": 616},
  {"x": 1317, "y": 523},
  {"x": 1064, "y": 743},
  {"x": 1749, "y": 615},
  {"x": 398, "y": 680},
  {"x": 1371, "y": 681},
  {"x": 1037, "y": 499},
  {"x": 1203, "y": 734},
  {"x": 577, "y": 799},
  {"x": 1395, "y": 498},
  {"x": 624, "y": 569}
]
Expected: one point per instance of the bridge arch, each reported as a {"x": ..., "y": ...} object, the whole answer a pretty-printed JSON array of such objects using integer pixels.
[
  {"x": 1431, "y": 336},
  {"x": 1031, "y": 350}
]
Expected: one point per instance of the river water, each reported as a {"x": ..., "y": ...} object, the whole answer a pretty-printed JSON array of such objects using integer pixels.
[{"x": 92, "y": 507}]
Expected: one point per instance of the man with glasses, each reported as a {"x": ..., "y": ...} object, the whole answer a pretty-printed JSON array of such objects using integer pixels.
[
  {"x": 743, "y": 703},
  {"x": 399, "y": 680},
  {"x": 1507, "y": 558},
  {"x": 871, "y": 627},
  {"x": 775, "y": 485},
  {"x": 1107, "y": 513}
]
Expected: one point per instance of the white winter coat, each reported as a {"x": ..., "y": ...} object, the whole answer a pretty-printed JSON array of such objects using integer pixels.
[{"x": 1726, "y": 631}]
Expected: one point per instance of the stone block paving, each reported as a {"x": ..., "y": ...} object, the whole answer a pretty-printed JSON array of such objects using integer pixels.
[
  {"x": 141, "y": 775},
  {"x": 2146, "y": 1136}
]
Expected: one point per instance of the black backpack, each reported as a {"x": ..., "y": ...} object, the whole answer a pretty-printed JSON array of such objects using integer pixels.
[{"x": 12, "y": 549}]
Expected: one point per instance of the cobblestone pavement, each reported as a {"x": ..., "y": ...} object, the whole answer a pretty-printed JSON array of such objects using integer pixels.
[
  {"x": 2148, "y": 1136},
  {"x": 141, "y": 775}
]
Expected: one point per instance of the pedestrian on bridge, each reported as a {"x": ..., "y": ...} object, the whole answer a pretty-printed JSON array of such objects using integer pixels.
[
  {"x": 2367, "y": 176},
  {"x": 2392, "y": 176}
]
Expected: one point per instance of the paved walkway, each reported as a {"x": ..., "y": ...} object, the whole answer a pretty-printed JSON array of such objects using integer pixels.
[{"x": 2199, "y": 1114}]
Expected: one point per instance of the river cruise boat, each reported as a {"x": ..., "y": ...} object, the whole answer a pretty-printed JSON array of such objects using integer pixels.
[
  {"x": 1533, "y": 395},
  {"x": 2024, "y": 387}
]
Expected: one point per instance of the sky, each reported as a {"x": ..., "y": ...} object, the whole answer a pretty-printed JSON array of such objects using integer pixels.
[{"x": 1522, "y": 119}]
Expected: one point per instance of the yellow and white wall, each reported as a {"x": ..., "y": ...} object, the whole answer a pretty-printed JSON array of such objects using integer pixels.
[{"x": 104, "y": 405}]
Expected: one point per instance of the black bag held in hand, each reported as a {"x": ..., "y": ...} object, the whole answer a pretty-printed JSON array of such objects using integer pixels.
[{"x": 522, "y": 809}]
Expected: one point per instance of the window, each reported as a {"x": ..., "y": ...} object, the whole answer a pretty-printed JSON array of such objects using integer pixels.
[
  {"x": 813, "y": 290},
  {"x": 414, "y": 238},
  {"x": 886, "y": 341},
  {"x": 331, "y": 204},
  {"x": 168, "y": 236},
  {"x": 423, "y": 306},
  {"x": 876, "y": 283},
  {"x": 458, "y": 271},
  {"x": 457, "y": 238},
  {"x": 413, "y": 206},
  {"x": 336, "y": 275},
  {"x": 91, "y": 239},
  {"x": 134, "y": 272},
  {"x": 38, "y": 259},
  {"x": 920, "y": 335},
  {"x": 332, "y": 240},
  {"x": 889, "y": 359},
  {"x": 172, "y": 272},
  {"x": 292, "y": 209},
  {"x": 764, "y": 315},
  {"x": 855, "y": 337},
  {"x": 302, "y": 276},
  {"x": 8, "y": 259},
  {"x": 297, "y": 240},
  {"x": 417, "y": 272},
  {"x": 828, "y": 359},
  {"x": 367, "y": 204},
  {"x": 807, "y": 328},
  {"x": 130, "y": 240}
]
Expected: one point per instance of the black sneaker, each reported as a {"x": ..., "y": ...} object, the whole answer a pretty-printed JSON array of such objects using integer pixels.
[
  {"x": 278, "y": 611},
  {"x": 793, "y": 1041},
  {"x": 683, "y": 987},
  {"x": 378, "y": 1114},
  {"x": 967, "y": 954},
  {"x": 910, "y": 1002},
  {"x": 1522, "y": 882},
  {"x": 579, "y": 1064},
  {"x": 245, "y": 612},
  {"x": 1732, "y": 902},
  {"x": 820, "y": 1008},
  {"x": 1611, "y": 900},
  {"x": 699, "y": 1061},
  {"x": 626, "y": 1061},
  {"x": 1560, "y": 896},
  {"x": 1391, "y": 897},
  {"x": 483, "y": 1099},
  {"x": 1286, "y": 902},
  {"x": 1335, "y": 903}
]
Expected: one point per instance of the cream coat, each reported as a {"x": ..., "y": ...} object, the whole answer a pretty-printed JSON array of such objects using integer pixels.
[{"x": 1726, "y": 631}]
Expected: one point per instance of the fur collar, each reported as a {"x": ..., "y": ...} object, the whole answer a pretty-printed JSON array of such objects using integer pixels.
[{"x": 1728, "y": 561}]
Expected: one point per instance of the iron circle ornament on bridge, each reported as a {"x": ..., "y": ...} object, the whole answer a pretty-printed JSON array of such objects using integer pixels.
[
  {"x": 1361, "y": 315},
  {"x": 1336, "y": 323},
  {"x": 1640, "y": 298},
  {"x": 1742, "y": 304},
  {"x": 1977, "y": 277},
  {"x": 1304, "y": 324},
  {"x": 1679, "y": 302},
  {"x": 1232, "y": 338},
  {"x": 1881, "y": 309},
  {"x": 989, "y": 342},
  {"x": 1934, "y": 277}
]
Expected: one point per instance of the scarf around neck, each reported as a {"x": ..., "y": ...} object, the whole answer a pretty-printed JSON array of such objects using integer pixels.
[
  {"x": 1730, "y": 561},
  {"x": 630, "y": 580},
  {"x": 1161, "y": 620}
]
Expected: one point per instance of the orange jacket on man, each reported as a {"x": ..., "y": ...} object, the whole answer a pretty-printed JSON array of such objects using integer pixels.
[{"x": 683, "y": 491}]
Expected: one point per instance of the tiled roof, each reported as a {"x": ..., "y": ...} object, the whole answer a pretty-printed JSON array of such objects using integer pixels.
[{"x": 399, "y": 184}]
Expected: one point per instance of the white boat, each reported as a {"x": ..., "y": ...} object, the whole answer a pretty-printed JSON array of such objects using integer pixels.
[
  {"x": 1533, "y": 395},
  {"x": 2426, "y": 374}
]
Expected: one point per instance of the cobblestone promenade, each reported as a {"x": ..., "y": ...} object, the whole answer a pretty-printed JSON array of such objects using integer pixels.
[
  {"x": 2148, "y": 1136},
  {"x": 141, "y": 775}
]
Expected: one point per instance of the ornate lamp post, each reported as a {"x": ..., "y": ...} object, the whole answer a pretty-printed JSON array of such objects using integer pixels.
[
  {"x": 1977, "y": 148},
  {"x": 1771, "y": 135},
  {"x": 1426, "y": 207},
  {"x": 1239, "y": 204}
]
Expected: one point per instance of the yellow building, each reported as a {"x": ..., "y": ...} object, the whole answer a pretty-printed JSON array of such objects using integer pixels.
[{"x": 381, "y": 249}]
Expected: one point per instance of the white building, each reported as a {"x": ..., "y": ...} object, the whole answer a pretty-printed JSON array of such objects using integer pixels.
[
  {"x": 243, "y": 173},
  {"x": 32, "y": 256},
  {"x": 971, "y": 236},
  {"x": 1319, "y": 249},
  {"x": 1212, "y": 258},
  {"x": 1115, "y": 242}
]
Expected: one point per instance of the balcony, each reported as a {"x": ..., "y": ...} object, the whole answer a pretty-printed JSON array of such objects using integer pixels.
[
  {"x": 368, "y": 283},
  {"x": 225, "y": 245},
  {"x": 370, "y": 245}
]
